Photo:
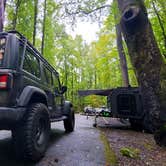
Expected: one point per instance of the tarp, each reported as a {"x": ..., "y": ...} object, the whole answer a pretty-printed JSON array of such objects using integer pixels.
[{"x": 100, "y": 92}]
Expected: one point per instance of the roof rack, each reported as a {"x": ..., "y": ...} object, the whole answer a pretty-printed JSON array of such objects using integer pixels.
[
  {"x": 25, "y": 40},
  {"x": 16, "y": 32}
]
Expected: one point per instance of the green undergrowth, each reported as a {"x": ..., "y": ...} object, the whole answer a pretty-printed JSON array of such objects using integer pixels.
[
  {"x": 130, "y": 152},
  {"x": 110, "y": 156}
]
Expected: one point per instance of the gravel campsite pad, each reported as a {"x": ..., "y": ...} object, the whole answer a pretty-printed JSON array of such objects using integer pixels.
[{"x": 121, "y": 136}]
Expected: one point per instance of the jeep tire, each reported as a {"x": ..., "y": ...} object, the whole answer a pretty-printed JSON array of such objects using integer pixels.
[
  {"x": 69, "y": 123},
  {"x": 31, "y": 136}
]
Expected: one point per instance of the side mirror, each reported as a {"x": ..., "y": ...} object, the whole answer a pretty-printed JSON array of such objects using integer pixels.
[{"x": 63, "y": 89}]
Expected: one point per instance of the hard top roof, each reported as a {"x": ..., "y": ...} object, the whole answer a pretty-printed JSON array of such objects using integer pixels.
[{"x": 25, "y": 40}]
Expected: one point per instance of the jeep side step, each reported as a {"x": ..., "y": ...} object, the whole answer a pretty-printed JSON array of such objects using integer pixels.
[{"x": 58, "y": 119}]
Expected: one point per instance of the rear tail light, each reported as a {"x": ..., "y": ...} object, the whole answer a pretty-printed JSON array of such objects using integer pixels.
[{"x": 5, "y": 81}]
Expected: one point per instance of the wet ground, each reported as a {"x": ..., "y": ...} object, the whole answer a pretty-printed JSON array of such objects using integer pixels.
[{"x": 82, "y": 147}]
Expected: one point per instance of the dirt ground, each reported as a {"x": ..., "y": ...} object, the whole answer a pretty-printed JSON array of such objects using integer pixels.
[{"x": 122, "y": 136}]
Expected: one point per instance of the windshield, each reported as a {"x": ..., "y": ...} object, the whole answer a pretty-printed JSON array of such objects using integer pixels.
[{"x": 2, "y": 50}]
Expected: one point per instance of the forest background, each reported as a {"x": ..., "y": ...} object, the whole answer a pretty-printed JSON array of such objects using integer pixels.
[{"x": 81, "y": 65}]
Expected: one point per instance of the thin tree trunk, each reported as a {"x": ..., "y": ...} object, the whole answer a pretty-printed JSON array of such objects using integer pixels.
[
  {"x": 72, "y": 87},
  {"x": 148, "y": 64},
  {"x": 66, "y": 74},
  {"x": 43, "y": 30},
  {"x": 122, "y": 57},
  {"x": 72, "y": 83},
  {"x": 35, "y": 20},
  {"x": 162, "y": 5},
  {"x": 14, "y": 22},
  {"x": 5, "y": 4},
  {"x": 95, "y": 75},
  {"x": 161, "y": 24}
]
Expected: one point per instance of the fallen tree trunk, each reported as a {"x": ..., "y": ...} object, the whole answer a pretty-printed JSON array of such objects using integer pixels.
[{"x": 148, "y": 65}]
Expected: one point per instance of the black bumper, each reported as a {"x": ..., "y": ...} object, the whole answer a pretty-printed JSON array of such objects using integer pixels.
[{"x": 11, "y": 115}]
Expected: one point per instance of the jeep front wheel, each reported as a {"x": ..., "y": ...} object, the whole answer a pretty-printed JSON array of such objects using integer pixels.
[
  {"x": 69, "y": 123},
  {"x": 32, "y": 135}
]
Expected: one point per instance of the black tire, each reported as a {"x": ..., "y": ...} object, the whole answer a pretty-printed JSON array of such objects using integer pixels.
[
  {"x": 32, "y": 134},
  {"x": 69, "y": 123},
  {"x": 94, "y": 125}
]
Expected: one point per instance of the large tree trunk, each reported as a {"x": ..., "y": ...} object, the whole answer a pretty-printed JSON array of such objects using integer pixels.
[
  {"x": 148, "y": 64},
  {"x": 122, "y": 56}
]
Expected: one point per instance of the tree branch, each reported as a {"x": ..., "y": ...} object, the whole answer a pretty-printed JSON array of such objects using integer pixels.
[{"x": 80, "y": 10}]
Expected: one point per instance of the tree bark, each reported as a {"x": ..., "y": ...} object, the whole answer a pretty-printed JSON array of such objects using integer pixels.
[
  {"x": 2, "y": 14},
  {"x": 35, "y": 21},
  {"x": 148, "y": 64},
  {"x": 43, "y": 30},
  {"x": 122, "y": 57}
]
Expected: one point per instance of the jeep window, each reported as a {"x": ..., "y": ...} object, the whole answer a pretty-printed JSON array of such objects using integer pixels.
[
  {"x": 2, "y": 50},
  {"x": 21, "y": 51},
  {"x": 48, "y": 75},
  {"x": 31, "y": 64},
  {"x": 56, "y": 83}
]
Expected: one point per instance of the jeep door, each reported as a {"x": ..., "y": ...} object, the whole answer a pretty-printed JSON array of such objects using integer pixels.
[
  {"x": 48, "y": 86},
  {"x": 58, "y": 97}
]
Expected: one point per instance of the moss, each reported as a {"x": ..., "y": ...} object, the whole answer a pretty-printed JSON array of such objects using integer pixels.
[
  {"x": 130, "y": 152},
  {"x": 109, "y": 153}
]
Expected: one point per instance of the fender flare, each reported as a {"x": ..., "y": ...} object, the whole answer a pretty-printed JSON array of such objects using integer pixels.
[{"x": 27, "y": 93}]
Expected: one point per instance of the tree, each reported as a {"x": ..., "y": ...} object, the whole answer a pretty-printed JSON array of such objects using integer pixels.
[
  {"x": 96, "y": 10},
  {"x": 2, "y": 11},
  {"x": 19, "y": 18},
  {"x": 122, "y": 56},
  {"x": 35, "y": 20},
  {"x": 148, "y": 64},
  {"x": 15, "y": 17},
  {"x": 43, "y": 28}
]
